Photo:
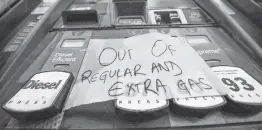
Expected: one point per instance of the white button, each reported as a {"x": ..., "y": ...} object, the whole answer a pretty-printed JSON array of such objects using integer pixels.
[
  {"x": 196, "y": 40},
  {"x": 46, "y": 84}
]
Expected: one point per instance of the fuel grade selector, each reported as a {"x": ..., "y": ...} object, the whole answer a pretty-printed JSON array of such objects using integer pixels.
[
  {"x": 202, "y": 97},
  {"x": 140, "y": 104},
  {"x": 196, "y": 106},
  {"x": 41, "y": 97},
  {"x": 245, "y": 92},
  {"x": 138, "y": 110}
]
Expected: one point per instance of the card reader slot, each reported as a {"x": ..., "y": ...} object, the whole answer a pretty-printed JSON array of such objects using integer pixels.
[{"x": 80, "y": 17}]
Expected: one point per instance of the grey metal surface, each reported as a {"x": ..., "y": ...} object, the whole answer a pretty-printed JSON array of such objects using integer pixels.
[
  {"x": 236, "y": 24},
  {"x": 13, "y": 16},
  {"x": 29, "y": 43},
  {"x": 28, "y": 47},
  {"x": 102, "y": 115},
  {"x": 32, "y": 65},
  {"x": 250, "y": 8},
  {"x": 5, "y": 4}
]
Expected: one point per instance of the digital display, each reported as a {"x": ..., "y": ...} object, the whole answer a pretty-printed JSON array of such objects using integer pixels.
[
  {"x": 195, "y": 40},
  {"x": 73, "y": 43}
]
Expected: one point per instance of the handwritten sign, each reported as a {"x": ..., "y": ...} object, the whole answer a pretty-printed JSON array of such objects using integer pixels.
[
  {"x": 243, "y": 88},
  {"x": 149, "y": 66},
  {"x": 141, "y": 94}
]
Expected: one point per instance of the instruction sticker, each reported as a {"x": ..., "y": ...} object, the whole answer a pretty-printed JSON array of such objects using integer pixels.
[
  {"x": 160, "y": 66},
  {"x": 243, "y": 87}
]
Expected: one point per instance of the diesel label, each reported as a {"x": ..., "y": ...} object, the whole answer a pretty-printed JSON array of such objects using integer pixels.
[{"x": 36, "y": 84}]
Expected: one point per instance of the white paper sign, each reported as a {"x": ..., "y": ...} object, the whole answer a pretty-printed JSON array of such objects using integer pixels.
[
  {"x": 243, "y": 88},
  {"x": 162, "y": 67}
]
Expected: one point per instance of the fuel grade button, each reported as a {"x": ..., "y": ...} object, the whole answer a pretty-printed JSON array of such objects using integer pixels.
[
  {"x": 41, "y": 97},
  {"x": 139, "y": 110},
  {"x": 196, "y": 97},
  {"x": 245, "y": 92},
  {"x": 140, "y": 104},
  {"x": 196, "y": 106}
]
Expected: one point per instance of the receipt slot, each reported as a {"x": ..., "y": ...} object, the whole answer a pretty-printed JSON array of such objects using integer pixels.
[
  {"x": 41, "y": 97},
  {"x": 130, "y": 12}
]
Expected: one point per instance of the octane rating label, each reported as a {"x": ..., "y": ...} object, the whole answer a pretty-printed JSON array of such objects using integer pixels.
[{"x": 243, "y": 87}]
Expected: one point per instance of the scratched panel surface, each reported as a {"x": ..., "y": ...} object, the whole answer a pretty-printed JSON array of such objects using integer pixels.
[{"x": 5, "y": 4}]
